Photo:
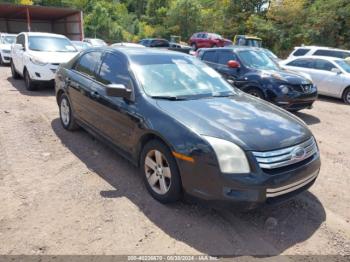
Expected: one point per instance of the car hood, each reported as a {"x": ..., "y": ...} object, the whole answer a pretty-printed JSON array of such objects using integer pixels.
[
  {"x": 286, "y": 76},
  {"x": 53, "y": 57},
  {"x": 249, "y": 122}
]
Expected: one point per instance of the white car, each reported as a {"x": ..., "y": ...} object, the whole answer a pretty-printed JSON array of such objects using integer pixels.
[
  {"x": 125, "y": 44},
  {"x": 6, "y": 40},
  {"x": 95, "y": 42},
  {"x": 36, "y": 56},
  {"x": 331, "y": 75},
  {"x": 319, "y": 51}
]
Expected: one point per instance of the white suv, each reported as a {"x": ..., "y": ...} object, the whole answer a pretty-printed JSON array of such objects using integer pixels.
[
  {"x": 319, "y": 51},
  {"x": 6, "y": 40},
  {"x": 36, "y": 56}
]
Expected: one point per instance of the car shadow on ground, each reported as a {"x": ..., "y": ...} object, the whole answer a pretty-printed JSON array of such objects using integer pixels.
[
  {"x": 308, "y": 119},
  {"x": 44, "y": 89},
  {"x": 263, "y": 232}
]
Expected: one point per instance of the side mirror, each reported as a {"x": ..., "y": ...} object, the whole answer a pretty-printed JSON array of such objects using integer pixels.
[
  {"x": 336, "y": 70},
  {"x": 233, "y": 64},
  {"x": 118, "y": 90},
  {"x": 18, "y": 47}
]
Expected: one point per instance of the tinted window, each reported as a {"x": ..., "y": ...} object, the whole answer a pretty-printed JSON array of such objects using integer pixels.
[
  {"x": 160, "y": 43},
  {"x": 301, "y": 52},
  {"x": 332, "y": 53},
  {"x": 87, "y": 63},
  {"x": 209, "y": 56},
  {"x": 114, "y": 71},
  {"x": 306, "y": 63},
  {"x": 224, "y": 57},
  {"x": 321, "y": 64},
  {"x": 20, "y": 40}
]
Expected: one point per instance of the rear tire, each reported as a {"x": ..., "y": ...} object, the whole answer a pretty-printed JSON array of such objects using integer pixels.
[
  {"x": 346, "y": 96},
  {"x": 1, "y": 61},
  {"x": 160, "y": 172},
  {"x": 256, "y": 92},
  {"x": 30, "y": 85},
  {"x": 66, "y": 114},
  {"x": 14, "y": 73}
]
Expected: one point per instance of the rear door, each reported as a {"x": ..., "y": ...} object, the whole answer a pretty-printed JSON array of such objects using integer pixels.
[
  {"x": 113, "y": 114},
  {"x": 79, "y": 82}
]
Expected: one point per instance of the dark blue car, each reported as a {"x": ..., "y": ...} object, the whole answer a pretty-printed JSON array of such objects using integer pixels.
[
  {"x": 253, "y": 71},
  {"x": 187, "y": 129}
]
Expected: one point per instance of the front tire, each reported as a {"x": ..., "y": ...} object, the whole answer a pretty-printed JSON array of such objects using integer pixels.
[
  {"x": 66, "y": 114},
  {"x": 346, "y": 96},
  {"x": 160, "y": 172},
  {"x": 29, "y": 83},
  {"x": 256, "y": 92},
  {"x": 14, "y": 73}
]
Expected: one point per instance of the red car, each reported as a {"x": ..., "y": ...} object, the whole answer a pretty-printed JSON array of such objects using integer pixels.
[{"x": 205, "y": 40}]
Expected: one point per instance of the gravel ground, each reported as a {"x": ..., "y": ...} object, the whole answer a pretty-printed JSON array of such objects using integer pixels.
[{"x": 67, "y": 193}]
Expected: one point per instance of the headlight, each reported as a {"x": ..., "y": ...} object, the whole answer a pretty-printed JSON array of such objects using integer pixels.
[
  {"x": 231, "y": 157},
  {"x": 37, "y": 61},
  {"x": 284, "y": 89}
]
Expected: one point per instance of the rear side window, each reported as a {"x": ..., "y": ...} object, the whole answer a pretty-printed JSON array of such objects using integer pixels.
[
  {"x": 332, "y": 53},
  {"x": 301, "y": 51},
  {"x": 114, "y": 70},
  {"x": 321, "y": 64},
  {"x": 160, "y": 43},
  {"x": 209, "y": 56},
  {"x": 225, "y": 56},
  {"x": 305, "y": 63},
  {"x": 87, "y": 63}
]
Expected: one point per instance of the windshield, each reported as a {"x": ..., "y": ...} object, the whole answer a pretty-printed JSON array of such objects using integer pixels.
[
  {"x": 50, "y": 44},
  {"x": 178, "y": 76},
  {"x": 344, "y": 65},
  {"x": 257, "y": 60},
  {"x": 8, "y": 39}
]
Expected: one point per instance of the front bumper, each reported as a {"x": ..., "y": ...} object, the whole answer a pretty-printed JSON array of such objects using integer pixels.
[
  {"x": 42, "y": 73},
  {"x": 296, "y": 100},
  {"x": 249, "y": 191},
  {"x": 6, "y": 57}
]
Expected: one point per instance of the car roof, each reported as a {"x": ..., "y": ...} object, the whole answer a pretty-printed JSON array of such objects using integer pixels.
[
  {"x": 321, "y": 47},
  {"x": 43, "y": 34},
  {"x": 232, "y": 48},
  {"x": 330, "y": 58}
]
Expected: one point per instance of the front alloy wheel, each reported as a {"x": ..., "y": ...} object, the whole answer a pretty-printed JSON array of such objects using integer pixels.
[
  {"x": 160, "y": 172},
  {"x": 157, "y": 172},
  {"x": 346, "y": 96}
]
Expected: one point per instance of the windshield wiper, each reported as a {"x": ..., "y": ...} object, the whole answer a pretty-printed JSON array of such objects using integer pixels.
[
  {"x": 173, "y": 98},
  {"x": 223, "y": 95}
]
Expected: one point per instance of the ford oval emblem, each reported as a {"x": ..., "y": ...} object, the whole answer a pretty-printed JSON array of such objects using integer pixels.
[{"x": 298, "y": 153}]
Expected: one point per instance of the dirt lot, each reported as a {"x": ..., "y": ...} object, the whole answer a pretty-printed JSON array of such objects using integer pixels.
[{"x": 66, "y": 193}]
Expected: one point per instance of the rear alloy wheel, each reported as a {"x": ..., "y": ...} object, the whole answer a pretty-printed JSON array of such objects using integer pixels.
[
  {"x": 256, "y": 92},
  {"x": 161, "y": 174},
  {"x": 14, "y": 73},
  {"x": 66, "y": 116},
  {"x": 30, "y": 85},
  {"x": 346, "y": 96}
]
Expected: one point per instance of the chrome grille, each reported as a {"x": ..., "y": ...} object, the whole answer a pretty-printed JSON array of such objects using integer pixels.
[{"x": 286, "y": 156}]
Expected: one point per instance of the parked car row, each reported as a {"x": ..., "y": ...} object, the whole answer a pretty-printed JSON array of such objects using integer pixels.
[{"x": 6, "y": 40}]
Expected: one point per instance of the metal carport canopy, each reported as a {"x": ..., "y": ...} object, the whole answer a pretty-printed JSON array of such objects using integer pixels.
[{"x": 29, "y": 13}]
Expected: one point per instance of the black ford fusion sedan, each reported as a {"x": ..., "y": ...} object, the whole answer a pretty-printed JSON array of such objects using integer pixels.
[
  {"x": 186, "y": 128},
  {"x": 253, "y": 71}
]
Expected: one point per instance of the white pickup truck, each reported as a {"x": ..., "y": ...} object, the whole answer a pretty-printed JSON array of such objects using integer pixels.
[
  {"x": 36, "y": 57},
  {"x": 6, "y": 40}
]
